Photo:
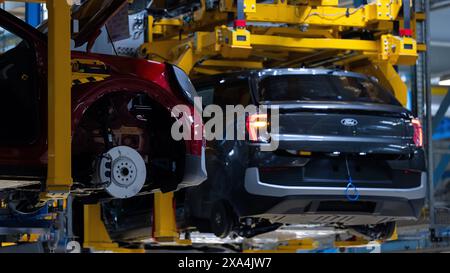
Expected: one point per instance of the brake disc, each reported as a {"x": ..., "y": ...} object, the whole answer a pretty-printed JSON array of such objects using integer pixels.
[{"x": 123, "y": 172}]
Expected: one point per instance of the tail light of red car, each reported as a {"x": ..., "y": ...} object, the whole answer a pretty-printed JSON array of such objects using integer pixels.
[
  {"x": 255, "y": 124},
  {"x": 198, "y": 141},
  {"x": 418, "y": 133}
]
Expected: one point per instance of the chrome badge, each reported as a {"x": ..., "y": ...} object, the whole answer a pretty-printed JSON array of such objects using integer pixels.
[{"x": 349, "y": 122}]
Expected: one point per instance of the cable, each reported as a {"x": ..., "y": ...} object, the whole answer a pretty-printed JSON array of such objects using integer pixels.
[
  {"x": 336, "y": 15},
  {"x": 350, "y": 186},
  {"x": 149, "y": 4},
  {"x": 110, "y": 39}
]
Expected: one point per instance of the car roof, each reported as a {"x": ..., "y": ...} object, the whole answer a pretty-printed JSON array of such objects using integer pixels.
[{"x": 280, "y": 71}]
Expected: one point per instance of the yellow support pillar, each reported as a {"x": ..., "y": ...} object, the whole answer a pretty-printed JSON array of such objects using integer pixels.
[
  {"x": 291, "y": 246},
  {"x": 59, "y": 177},
  {"x": 164, "y": 218},
  {"x": 96, "y": 236},
  {"x": 357, "y": 242},
  {"x": 150, "y": 21},
  {"x": 187, "y": 60},
  {"x": 388, "y": 77},
  {"x": 389, "y": 74}
]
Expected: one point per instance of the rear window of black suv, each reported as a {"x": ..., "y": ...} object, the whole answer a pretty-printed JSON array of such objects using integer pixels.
[{"x": 323, "y": 88}]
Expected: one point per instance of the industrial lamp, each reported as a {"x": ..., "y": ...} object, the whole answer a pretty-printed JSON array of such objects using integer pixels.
[{"x": 444, "y": 80}]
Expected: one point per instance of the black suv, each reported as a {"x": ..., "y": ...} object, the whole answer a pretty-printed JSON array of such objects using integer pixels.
[{"x": 349, "y": 155}]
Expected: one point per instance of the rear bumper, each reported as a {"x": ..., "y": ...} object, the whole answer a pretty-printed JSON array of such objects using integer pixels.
[
  {"x": 255, "y": 186},
  {"x": 374, "y": 171},
  {"x": 194, "y": 171},
  {"x": 320, "y": 205}
]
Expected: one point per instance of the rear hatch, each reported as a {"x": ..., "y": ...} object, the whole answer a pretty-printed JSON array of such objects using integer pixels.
[
  {"x": 336, "y": 113},
  {"x": 92, "y": 16}
]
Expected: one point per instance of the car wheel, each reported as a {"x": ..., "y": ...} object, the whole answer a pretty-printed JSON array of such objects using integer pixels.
[
  {"x": 381, "y": 232},
  {"x": 388, "y": 230},
  {"x": 122, "y": 146},
  {"x": 222, "y": 221}
]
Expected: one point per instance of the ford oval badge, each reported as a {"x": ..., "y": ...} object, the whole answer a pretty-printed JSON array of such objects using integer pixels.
[{"x": 349, "y": 122}]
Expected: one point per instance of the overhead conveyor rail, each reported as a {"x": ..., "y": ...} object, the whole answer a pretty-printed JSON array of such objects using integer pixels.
[{"x": 371, "y": 38}]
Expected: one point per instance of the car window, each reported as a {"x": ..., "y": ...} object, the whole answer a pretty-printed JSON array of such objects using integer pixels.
[
  {"x": 207, "y": 95},
  {"x": 232, "y": 92},
  {"x": 323, "y": 88},
  {"x": 19, "y": 101},
  {"x": 225, "y": 92},
  {"x": 8, "y": 40}
]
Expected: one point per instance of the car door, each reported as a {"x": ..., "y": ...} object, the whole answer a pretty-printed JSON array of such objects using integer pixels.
[{"x": 23, "y": 102}]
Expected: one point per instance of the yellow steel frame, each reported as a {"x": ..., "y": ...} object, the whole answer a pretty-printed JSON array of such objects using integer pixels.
[
  {"x": 164, "y": 218},
  {"x": 291, "y": 246},
  {"x": 207, "y": 40},
  {"x": 96, "y": 236},
  {"x": 319, "y": 14},
  {"x": 59, "y": 176},
  {"x": 165, "y": 231},
  {"x": 383, "y": 54},
  {"x": 312, "y": 12},
  {"x": 264, "y": 40}
]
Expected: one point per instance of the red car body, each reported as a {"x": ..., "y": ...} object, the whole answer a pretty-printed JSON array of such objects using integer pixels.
[{"x": 125, "y": 76}]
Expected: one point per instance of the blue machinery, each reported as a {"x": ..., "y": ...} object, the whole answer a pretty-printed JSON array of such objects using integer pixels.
[
  {"x": 33, "y": 14},
  {"x": 441, "y": 130}
]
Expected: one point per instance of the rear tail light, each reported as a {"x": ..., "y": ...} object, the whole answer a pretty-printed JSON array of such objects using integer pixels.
[
  {"x": 257, "y": 127},
  {"x": 196, "y": 147},
  {"x": 418, "y": 133},
  {"x": 198, "y": 141}
]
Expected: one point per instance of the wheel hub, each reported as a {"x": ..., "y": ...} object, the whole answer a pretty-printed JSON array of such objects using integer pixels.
[{"x": 124, "y": 172}]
